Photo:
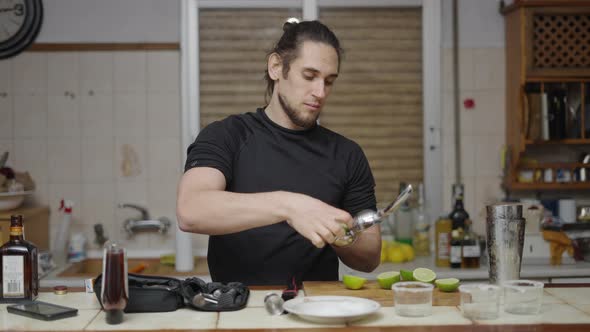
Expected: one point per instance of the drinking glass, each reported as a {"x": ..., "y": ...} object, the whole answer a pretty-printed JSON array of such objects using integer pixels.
[
  {"x": 412, "y": 299},
  {"x": 523, "y": 297},
  {"x": 480, "y": 301}
]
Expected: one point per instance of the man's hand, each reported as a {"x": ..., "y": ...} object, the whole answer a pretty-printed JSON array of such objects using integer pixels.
[{"x": 317, "y": 221}]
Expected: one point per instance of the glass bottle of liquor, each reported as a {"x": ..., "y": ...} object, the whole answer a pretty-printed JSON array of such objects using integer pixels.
[
  {"x": 19, "y": 280},
  {"x": 421, "y": 240},
  {"x": 442, "y": 237},
  {"x": 404, "y": 227},
  {"x": 458, "y": 215},
  {"x": 471, "y": 251},
  {"x": 456, "y": 243}
]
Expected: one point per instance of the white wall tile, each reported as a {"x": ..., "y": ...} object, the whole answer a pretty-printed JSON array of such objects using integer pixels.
[
  {"x": 130, "y": 72},
  {"x": 163, "y": 71},
  {"x": 41, "y": 194},
  {"x": 490, "y": 112},
  {"x": 63, "y": 117},
  {"x": 63, "y": 73},
  {"x": 97, "y": 115},
  {"x": 469, "y": 200},
  {"x": 447, "y": 70},
  {"x": 448, "y": 155},
  {"x": 488, "y": 155},
  {"x": 489, "y": 68},
  {"x": 467, "y": 146},
  {"x": 131, "y": 159},
  {"x": 30, "y": 154},
  {"x": 130, "y": 114},
  {"x": 96, "y": 72},
  {"x": 7, "y": 116},
  {"x": 163, "y": 114},
  {"x": 64, "y": 160},
  {"x": 30, "y": 115},
  {"x": 162, "y": 198},
  {"x": 98, "y": 159},
  {"x": 466, "y": 69},
  {"x": 30, "y": 73},
  {"x": 164, "y": 158},
  {"x": 448, "y": 114},
  {"x": 6, "y": 80}
]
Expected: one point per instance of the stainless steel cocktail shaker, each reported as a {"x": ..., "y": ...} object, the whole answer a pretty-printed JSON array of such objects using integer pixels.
[{"x": 505, "y": 235}]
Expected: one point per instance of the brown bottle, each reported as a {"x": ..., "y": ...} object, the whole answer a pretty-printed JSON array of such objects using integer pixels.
[
  {"x": 115, "y": 288},
  {"x": 19, "y": 280}
]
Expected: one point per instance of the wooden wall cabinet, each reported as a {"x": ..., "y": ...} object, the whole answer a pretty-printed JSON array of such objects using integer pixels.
[{"x": 547, "y": 49}]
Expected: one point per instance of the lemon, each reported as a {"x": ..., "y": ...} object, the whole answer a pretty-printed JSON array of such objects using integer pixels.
[
  {"x": 353, "y": 282},
  {"x": 408, "y": 251},
  {"x": 447, "y": 285},
  {"x": 395, "y": 254},
  {"x": 424, "y": 275},
  {"x": 407, "y": 275},
  {"x": 386, "y": 279}
]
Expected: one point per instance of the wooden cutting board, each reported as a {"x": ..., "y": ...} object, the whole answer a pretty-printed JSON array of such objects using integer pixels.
[{"x": 371, "y": 290}]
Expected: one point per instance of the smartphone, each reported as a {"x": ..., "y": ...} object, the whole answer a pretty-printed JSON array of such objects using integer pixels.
[{"x": 42, "y": 310}]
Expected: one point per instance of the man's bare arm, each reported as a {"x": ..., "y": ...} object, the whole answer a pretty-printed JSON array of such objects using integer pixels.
[
  {"x": 203, "y": 206},
  {"x": 365, "y": 253}
]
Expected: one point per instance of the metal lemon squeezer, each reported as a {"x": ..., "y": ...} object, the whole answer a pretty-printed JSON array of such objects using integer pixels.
[{"x": 369, "y": 218}]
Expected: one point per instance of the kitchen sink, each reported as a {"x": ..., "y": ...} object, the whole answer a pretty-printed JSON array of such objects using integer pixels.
[{"x": 92, "y": 267}]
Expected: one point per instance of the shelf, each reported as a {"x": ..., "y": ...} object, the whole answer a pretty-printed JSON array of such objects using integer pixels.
[
  {"x": 549, "y": 186},
  {"x": 549, "y": 79},
  {"x": 579, "y": 141}
]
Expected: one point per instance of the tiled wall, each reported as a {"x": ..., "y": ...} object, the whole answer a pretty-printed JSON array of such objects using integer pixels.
[
  {"x": 100, "y": 128},
  {"x": 481, "y": 78}
]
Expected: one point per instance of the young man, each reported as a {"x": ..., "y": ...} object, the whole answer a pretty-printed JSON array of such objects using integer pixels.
[{"x": 273, "y": 188}]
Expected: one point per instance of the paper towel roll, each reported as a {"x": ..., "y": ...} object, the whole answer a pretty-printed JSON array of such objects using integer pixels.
[
  {"x": 184, "y": 251},
  {"x": 567, "y": 210}
]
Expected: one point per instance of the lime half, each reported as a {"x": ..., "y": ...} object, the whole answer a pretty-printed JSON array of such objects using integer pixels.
[
  {"x": 447, "y": 285},
  {"x": 386, "y": 279},
  {"x": 407, "y": 275},
  {"x": 353, "y": 282},
  {"x": 424, "y": 275}
]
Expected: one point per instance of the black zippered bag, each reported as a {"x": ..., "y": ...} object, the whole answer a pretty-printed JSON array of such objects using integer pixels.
[{"x": 163, "y": 294}]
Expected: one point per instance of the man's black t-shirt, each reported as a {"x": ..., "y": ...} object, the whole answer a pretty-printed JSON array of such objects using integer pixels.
[{"x": 257, "y": 155}]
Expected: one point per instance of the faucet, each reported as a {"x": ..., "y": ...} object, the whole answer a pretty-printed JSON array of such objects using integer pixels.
[
  {"x": 144, "y": 222},
  {"x": 100, "y": 238}
]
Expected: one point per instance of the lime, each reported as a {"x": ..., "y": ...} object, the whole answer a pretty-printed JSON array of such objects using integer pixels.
[
  {"x": 424, "y": 275},
  {"x": 353, "y": 282},
  {"x": 447, "y": 285},
  {"x": 407, "y": 275},
  {"x": 386, "y": 279}
]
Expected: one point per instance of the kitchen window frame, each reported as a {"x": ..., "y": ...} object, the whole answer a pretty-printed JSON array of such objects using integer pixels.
[{"x": 431, "y": 73}]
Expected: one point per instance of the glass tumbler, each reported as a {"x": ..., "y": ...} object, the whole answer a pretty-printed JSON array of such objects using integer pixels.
[
  {"x": 480, "y": 301},
  {"x": 412, "y": 299},
  {"x": 523, "y": 297}
]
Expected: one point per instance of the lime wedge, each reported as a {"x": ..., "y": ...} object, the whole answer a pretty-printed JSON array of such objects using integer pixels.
[
  {"x": 447, "y": 285},
  {"x": 386, "y": 279},
  {"x": 353, "y": 282},
  {"x": 407, "y": 275},
  {"x": 424, "y": 275}
]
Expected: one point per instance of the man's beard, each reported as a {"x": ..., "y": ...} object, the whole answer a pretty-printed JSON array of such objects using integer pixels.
[{"x": 295, "y": 116}]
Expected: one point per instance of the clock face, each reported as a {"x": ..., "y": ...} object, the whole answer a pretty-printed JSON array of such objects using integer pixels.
[
  {"x": 12, "y": 18},
  {"x": 20, "y": 21}
]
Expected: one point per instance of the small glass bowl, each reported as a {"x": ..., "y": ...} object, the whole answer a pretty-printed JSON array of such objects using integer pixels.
[
  {"x": 412, "y": 298},
  {"x": 523, "y": 297},
  {"x": 480, "y": 301}
]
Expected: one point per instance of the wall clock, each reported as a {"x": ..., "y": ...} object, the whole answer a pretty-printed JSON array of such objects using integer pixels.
[{"x": 20, "y": 22}]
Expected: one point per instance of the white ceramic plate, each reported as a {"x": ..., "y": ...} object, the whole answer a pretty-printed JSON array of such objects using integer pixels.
[
  {"x": 12, "y": 200},
  {"x": 331, "y": 309}
]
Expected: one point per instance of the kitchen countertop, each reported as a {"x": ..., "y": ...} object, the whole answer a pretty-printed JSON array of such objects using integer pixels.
[
  {"x": 531, "y": 269},
  {"x": 563, "y": 308}
]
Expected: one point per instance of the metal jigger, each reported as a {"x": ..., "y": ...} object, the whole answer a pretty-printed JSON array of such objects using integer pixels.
[
  {"x": 505, "y": 239},
  {"x": 368, "y": 218}
]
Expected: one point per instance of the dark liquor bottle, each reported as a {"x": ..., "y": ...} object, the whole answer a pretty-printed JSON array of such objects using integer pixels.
[
  {"x": 456, "y": 246},
  {"x": 471, "y": 251},
  {"x": 115, "y": 287},
  {"x": 458, "y": 215},
  {"x": 19, "y": 280}
]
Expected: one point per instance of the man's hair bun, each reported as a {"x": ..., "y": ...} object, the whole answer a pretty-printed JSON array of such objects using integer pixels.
[{"x": 290, "y": 23}]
